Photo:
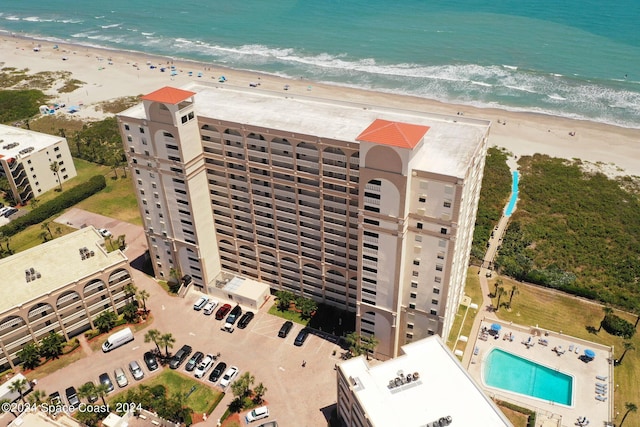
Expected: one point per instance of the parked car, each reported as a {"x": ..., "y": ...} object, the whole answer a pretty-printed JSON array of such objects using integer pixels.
[
  {"x": 211, "y": 305},
  {"x": 151, "y": 361},
  {"x": 200, "y": 303},
  {"x": 222, "y": 311},
  {"x": 55, "y": 398},
  {"x": 204, "y": 366},
  {"x": 136, "y": 370},
  {"x": 285, "y": 329},
  {"x": 10, "y": 212},
  {"x": 193, "y": 362},
  {"x": 72, "y": 397},
  {"x": 234, "y": 315},
  {"x": 120, "y": 377},
  {"x": 269, "y": 424},
  {"x": 228, "y": 376},
  {"x": 104, "y": 232},
  {"x": 104, "y": 379},
  {"x": 257, "y": 414},
  {"x": 217, "y": 372},
  {"x": 245, "y": 319},
  {"x": 301, "y": 338},
  {"x": 180, "y": 356},
  {"x": 92, "y": 397}
]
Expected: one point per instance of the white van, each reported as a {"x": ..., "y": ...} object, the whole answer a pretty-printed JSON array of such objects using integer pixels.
[{"x": 117, "y": 339}]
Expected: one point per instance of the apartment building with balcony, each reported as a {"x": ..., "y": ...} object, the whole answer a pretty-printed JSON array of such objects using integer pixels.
[
  {"x": 425, "y": 386},
  {"x": 60, "y": 286},
  {"x": 367, "y": 208},
  {"x": 26, "y": 157}
]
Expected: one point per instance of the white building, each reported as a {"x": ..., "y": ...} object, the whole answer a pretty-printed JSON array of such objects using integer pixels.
[
  {"x": 60, "y": 286},
  {"x": 424, "y": 387},
  {"x": 26, "y": 157},
  {"x": 364, "y": 207}
]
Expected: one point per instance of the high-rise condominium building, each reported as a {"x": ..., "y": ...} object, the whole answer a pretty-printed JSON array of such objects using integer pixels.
[
  {"x": 367, "y": 208},
  {"x": 26, "y": 159}
]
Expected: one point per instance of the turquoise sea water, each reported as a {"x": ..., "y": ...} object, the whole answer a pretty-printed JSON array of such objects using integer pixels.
[
  {"x": 571, "y": 58},
  {"x": 510, "y": 372}
]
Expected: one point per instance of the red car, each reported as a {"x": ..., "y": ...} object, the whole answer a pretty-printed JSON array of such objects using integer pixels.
[{"x": 223, "y": 311}]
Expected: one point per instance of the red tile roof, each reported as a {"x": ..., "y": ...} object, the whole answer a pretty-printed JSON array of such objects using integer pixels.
[
  {"x": 395, "y": 134},
  {"x": 168, "y": 95}
]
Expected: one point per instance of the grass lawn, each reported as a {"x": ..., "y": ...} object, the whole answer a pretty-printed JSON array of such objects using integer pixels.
[
  {"x": 472, "y": 290},
  {"x": 577, "y": 317},
  {"x": 96, "y": 342},
  {"x": 55, "y": 365},
  {"x": 518, "y": 419},
  {"x": 288, "y": 315},
  {"x": 200, "y": 400}
]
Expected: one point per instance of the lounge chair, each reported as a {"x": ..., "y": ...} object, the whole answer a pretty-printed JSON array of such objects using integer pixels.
[
  {"x": 601, "y": 398},
  {"x": 476, "y": 351},
  {"x": 571, "y": 348},
  {"x": 601, "y": 385},
  {"x": 601, "y": 378}
]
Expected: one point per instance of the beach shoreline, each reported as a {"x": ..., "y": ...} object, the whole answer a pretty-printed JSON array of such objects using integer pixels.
[{"x": 108, "y": 74}]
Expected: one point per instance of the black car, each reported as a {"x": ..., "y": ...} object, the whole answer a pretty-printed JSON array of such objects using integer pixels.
[
  {"x": 245, "y": 319},
  {"x": 193, "y": 362},
  {"x": 285, "y": 328},
  {"x": 151, "y": 361},
  {"x": 104, "y": 379},
  {"x": 217, "y": 372},
  {"x": 234, "y": 315},
  {"x": 54, "y": 398},
  {"x": 180, "y": 356},
  {"x": 302, "y": 336},
  {"x": 72, "y": 397}
]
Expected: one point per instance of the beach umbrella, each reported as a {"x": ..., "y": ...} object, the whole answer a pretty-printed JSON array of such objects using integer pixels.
[
  {"x": 496, "y": 327},
  {"x": 589, "y": 353}
]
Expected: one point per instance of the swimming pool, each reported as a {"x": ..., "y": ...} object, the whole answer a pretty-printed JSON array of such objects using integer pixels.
[{"x": 513, "y": 373}]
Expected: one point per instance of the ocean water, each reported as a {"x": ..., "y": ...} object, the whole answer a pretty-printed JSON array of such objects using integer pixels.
[{"x": 578, "y": 59}]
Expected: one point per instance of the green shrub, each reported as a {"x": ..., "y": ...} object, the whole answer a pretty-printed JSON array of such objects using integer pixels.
[
  {"x": 20, "y": 104},
  {"x": 55, "y": 206},
  {"x": 618, "y": 326}
]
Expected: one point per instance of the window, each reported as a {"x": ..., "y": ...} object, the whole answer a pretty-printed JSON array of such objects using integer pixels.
[
  {"x": 439, "y": 267},
  {"x": 153, "y": 185},
  {"x": 415, "y": 274},
  {"x": 370, "y": 234},
  {"x": 448, "y": 189},
  {"x": 436, "y": 291},
  {"x": 422, "y": 199},
  {"x": 371, "y": 221},
  {"x": 174, "y": 158},
  {"x": 141, "y": 130},
  {"x": 167, "y": 135},
  {"x": 414, "y": 284},
  {"x": 418, "y": 238},
  {"x": 370, "y": 246},
  {"x": 129, "y": 138},
  {"x": 184, "y": 119},
  {"x": 409, "y": 325},
  {"x": 440, "y": 255},
  {"x": 178, "y": 181},
  {"x": 442, "y": 243},
  {"x": 438, "y": 279},
  {"x": 139, "y": 182},
  {"x": 420, "y": 225},
  {"x": 409, "y": 335},
  {"x": 447, "y": 203},
  {"x": 434, "y": 301},
  {"x": 416, "y": 262},
  {"x": 443, "y": 230},
  {"x": 126, "y": 127},
  {"x": 424, "y": 185},
  {"x": 412, "y": 306},
  {"x": 433, "y": 313},
  {"x": 413, "y": 295},
  {"x": 56, "y": 149},
  {"x": 172, "y": 147},
  {"x": 191, "y": 115}
]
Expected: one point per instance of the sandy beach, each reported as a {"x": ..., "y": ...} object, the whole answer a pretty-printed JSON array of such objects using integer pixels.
[{"x": 109, "y": 74}]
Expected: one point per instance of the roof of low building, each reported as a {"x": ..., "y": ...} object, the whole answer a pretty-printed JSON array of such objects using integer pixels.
[{"x": 16, "y": 142}]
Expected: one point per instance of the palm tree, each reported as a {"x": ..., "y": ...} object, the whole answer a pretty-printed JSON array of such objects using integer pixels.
[
  {"x": 87, "y": 390},
  {"x": 6, "y": 403},
  {"x": 259, "y": 392},
  {"x": 45, "y": 226},
  {"x": 55, "y": 168},
  {"x": 153, "y": 335},
  {"x": 130, "y": 290},
  {"x": 628, "y": 345},
  {"x": 496, "y": 286},
  {"x": 37, "y": 397},
  {"x": 607, "y": 311},
  {"x": 514, "y": 291},
  {"x": 631, "y": 407},
  {"x": 500, "y": 292},
  {"x": 143, "y": 295},
  {"x": 369, "y": 344},
  {"x": 167, "y": 340},
  {"x": 18, "y": 386},
  {"x": 102, "y": 390}
]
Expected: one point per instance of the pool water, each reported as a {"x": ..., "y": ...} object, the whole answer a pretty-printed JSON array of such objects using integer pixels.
[{"x": 513, "y": 373}]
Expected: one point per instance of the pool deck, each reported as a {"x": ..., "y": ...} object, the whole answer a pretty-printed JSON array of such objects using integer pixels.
[{"x": 556, "y": 355}]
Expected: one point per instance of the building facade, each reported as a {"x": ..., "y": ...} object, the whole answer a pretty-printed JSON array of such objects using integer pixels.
[
  {"x": 26, "y": 158},
  {"x": 426, "y": 386},
  {"x": 60, "y": 286},
  {"x": 366, "y": 208}
]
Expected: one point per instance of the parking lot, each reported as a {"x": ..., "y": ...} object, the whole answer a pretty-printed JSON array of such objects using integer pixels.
[{"x": 296, "y": 395}]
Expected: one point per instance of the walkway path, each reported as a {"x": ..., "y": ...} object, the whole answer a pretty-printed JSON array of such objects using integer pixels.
[
  {"x": 486, "y": 271},
  {"x": 85, "y": 345}
]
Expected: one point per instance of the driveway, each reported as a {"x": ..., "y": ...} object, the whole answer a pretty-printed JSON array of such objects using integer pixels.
[{"x": 296, "y": 395}]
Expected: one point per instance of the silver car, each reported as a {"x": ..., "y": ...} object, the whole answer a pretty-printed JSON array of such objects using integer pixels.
[
  {"x": 121, "y": 378},
  {"x": 136, "y": 370}
]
